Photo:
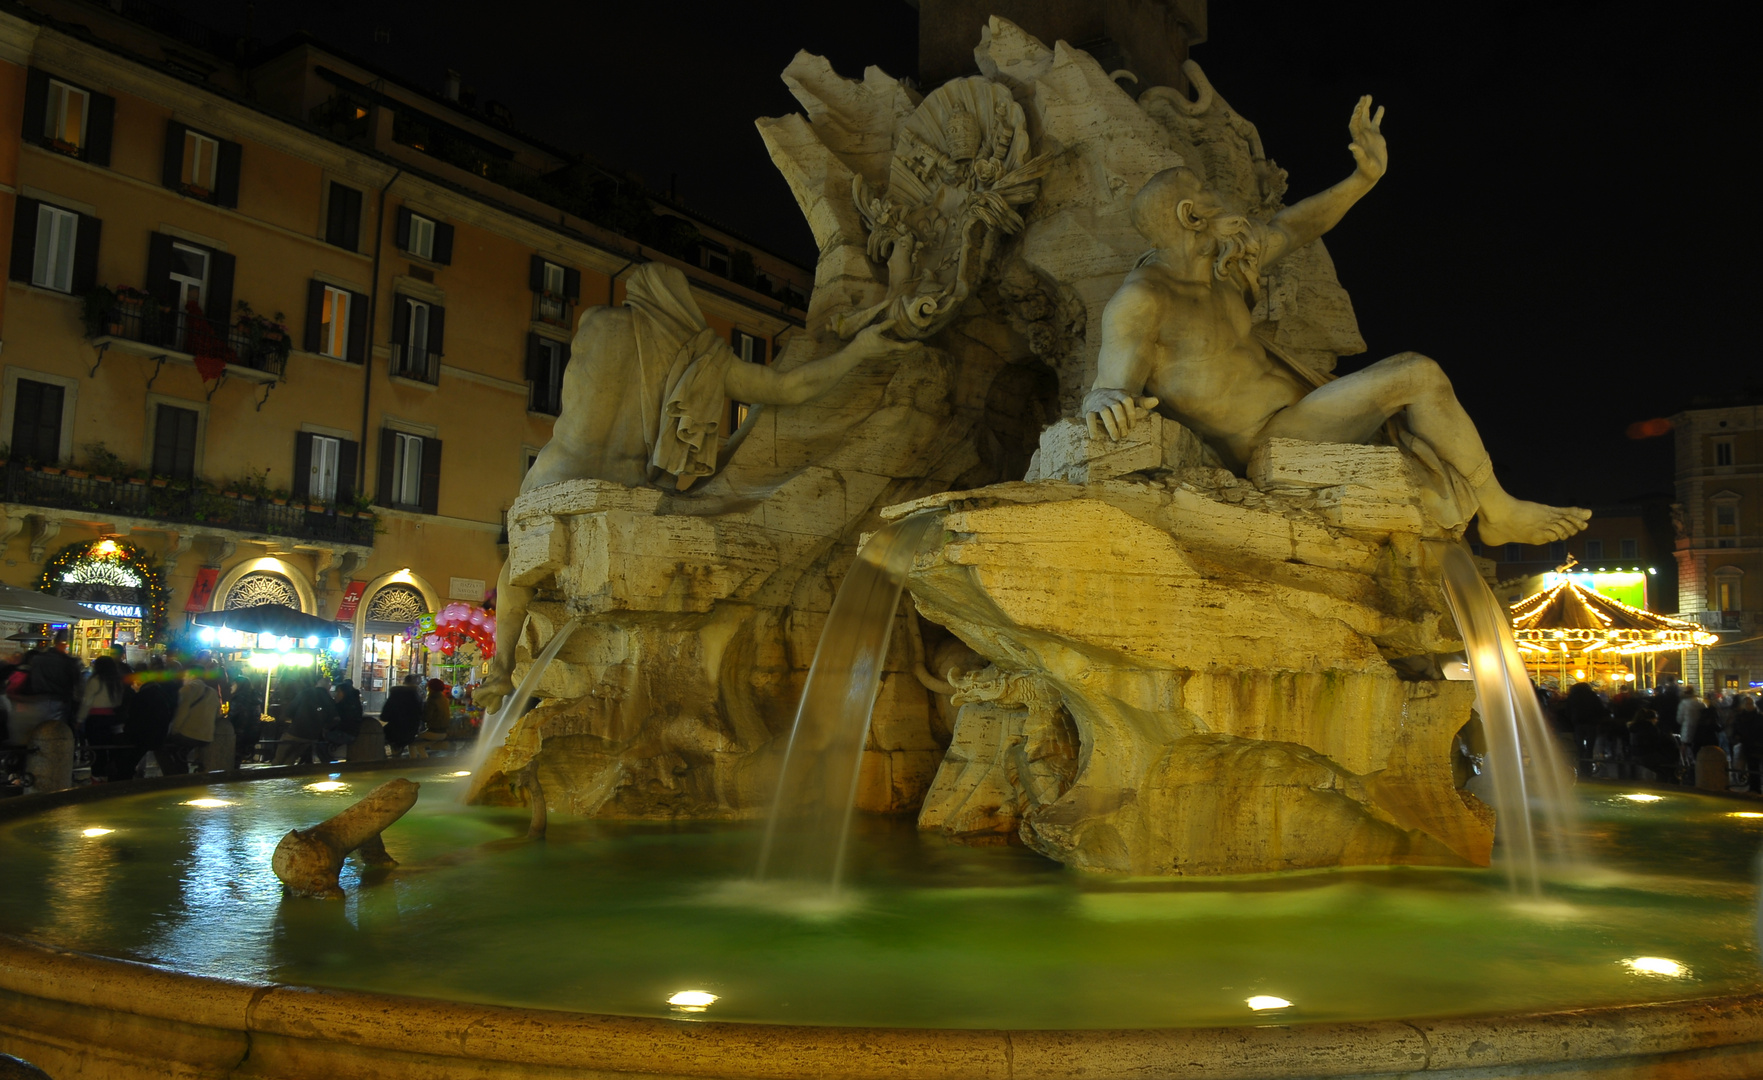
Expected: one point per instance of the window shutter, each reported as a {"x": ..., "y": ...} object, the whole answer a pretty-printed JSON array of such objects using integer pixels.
[
  {"x": 348, "y": 454},
  {"x": 403, "y": 228},
  {"x": 563, "y": 364},
  {"x": 172, "y": 172},
  {"x": 226, "y": 174},
  {"x": 400, "y": 320},
  {"x": 443, "y": 252},
  {"x": 437, "y": 331},
  {"x": 85, "y": 255},
  {"x": 159, "y": 268},
  {"x": 357, "y": 328},
  {"x": 536, "y": 273},
  {"x": 36, "y": 104},
  {"x": 535, "y": 360},
  {"x": 431, "y": 476},
  {"x": 24, "y": 237},
  {"x": 572, "y": 283},
  {"x": 343, "y": 223},
  {"x": 388, "y": 458},
  {"x": 100, "y": 122},
  {"x": 314, "y": 316},
  {"x": 302, "y": 464},
  {"x": 186, "y": 442},
  {"x": 220, "y": 289}
]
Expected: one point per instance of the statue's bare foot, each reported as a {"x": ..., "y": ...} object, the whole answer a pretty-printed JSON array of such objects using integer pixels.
[
  {"x": 1514, "y": 521},
  {"x": 493, "y": 691}
]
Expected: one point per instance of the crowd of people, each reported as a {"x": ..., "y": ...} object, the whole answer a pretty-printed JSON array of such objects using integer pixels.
[
  {"x": 169, "y": 711},
  {"x": 1662, "y": 732}
]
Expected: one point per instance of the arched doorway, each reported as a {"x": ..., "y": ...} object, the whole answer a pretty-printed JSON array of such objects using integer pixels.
[
  {"x": 116, "y": 578},
  {"x": 261, "y": 587},
  {"x": 389, "y": 605}
]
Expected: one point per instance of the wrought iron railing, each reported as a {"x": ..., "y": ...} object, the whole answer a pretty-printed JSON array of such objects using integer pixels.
[
  {"x": 183, "y": 331},
  {"x": 1719, "y": 620},
  {"x": 181, "y": 502}
]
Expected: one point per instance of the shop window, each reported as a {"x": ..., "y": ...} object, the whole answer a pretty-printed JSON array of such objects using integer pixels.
[
  {"x": 174, "y": 442},
  {"x": 342, "y": 225},
  {"x": 36, "y": 421},
  {"x": 54, "y": 247},
  {"x": 546, "y": 359}
]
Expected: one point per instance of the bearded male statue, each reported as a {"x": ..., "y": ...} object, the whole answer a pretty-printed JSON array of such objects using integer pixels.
[
  {"x": 643, "y": 404},
  {"x": 1179, "y": 330}
]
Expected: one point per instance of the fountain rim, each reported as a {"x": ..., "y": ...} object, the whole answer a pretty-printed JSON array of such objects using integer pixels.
[{"x": 126, "y": 1011}]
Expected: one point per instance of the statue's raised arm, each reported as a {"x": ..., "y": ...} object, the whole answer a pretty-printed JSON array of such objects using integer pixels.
[{"x": 1303, "y": 222}]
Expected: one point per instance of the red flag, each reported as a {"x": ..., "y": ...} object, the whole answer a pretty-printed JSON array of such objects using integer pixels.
[
  {"x": 210, "y": 349},
  {"x": 202, "y": 592},
  {"x": 351, "y": 598}
]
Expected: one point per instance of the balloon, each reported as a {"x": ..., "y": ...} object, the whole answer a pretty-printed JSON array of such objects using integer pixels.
[{"x": 432, "y": 642}]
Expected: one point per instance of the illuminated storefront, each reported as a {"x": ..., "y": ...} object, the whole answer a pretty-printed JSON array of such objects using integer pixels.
[
  {"x": 112, "y": 577},
  {"x": 385, "y": 658}
]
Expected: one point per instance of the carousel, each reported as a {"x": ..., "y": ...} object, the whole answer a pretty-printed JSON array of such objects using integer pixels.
[{"x": 1568, "y": 633}]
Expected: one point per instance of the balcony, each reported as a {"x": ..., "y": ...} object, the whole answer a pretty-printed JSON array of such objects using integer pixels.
[
  {"x": 56, "y": 488},
  {"x": 420, "y": 365},
  {"x": 1718, "y": 620},
  {"x": 251, "y": 351}
]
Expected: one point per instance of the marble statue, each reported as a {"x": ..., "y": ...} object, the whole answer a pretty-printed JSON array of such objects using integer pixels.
[
  {"x": 1179, "y": 336},
  {"x": 644, "y": 401}
]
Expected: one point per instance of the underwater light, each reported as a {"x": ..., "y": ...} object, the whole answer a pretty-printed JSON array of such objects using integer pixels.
[
  {"x": 327, "y": 785},
  {"x": 1263, "y": 1002},
  {"x": 1655, "y": 965},
  {"x": 467, "y": 772},
  {"x": 691, "y": 999},
  {"x": 208, "y": 804},
  {"x": 96, "y": 831},
  {"x": 1744, "y": 813},
  {"x": 1641, "y": 796}
]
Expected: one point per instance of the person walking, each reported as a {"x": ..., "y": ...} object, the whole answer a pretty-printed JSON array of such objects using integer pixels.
[
  {"x": 347, "y": 701},
  {"x": 245, "y": 713},
  {"x": 148, "y": 723},
  {"x": 402, "y": 713},
  {"x": 192, "y": 728},
  {"x": 1747, "y": 740},
  {"x": 313, "y": 715},
  {"x": 101, "y": 717}
]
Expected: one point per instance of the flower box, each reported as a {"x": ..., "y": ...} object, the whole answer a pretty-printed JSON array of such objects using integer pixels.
[
  {"x": 198, "y": 191},
  {"x": 316, "y": 508},
  {"x": 104, "y": 479},
  {"x": 158, "y": 482},
  {"x": 278, "y": 502},
  {"x": 137, "y": 481},
  {"x": 230, "y": 494},
  {"x": 52, "y": 470}
]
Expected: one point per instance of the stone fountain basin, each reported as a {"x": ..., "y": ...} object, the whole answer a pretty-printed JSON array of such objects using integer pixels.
[{"x": 76, "y": 1014}]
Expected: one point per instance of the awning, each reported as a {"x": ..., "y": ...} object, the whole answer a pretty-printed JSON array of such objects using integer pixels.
[
  {"x": 278, "y": 619},
  {"x": 29, "y": 605}
]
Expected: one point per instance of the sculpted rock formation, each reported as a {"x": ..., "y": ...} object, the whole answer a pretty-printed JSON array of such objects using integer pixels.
[{"x": 1131, "y": 658}]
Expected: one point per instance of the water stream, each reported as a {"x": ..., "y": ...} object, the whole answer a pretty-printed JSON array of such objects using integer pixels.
[
  {"x": 808, "y": 832},
  {"x": 496, "y": 725},
  {"x": 1532, "y": 784}
]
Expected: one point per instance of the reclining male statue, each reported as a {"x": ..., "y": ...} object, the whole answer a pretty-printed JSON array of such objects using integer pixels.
[
  {"x": 644, "y": 401},
  {"x": 1179, "y": 329}
]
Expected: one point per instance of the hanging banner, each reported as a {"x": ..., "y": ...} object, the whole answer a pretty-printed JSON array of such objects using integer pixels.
[
  {"x": 351, "y": 600},
  {"x": 202, "y": 592}
]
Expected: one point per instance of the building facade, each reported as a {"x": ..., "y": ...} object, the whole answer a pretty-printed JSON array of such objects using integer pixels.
[
  {"x": 1719, "y": 543},
  {"x": 292, "y": 330}
]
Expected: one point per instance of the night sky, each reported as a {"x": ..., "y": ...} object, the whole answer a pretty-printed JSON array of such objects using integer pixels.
[{"x": 1563, "y": 225}]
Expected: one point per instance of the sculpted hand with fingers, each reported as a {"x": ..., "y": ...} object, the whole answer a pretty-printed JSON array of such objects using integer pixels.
[{"x": 1178, "y": 336}]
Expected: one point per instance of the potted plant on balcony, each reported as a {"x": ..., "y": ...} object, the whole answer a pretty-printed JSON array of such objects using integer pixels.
[
  {"x": 266, "y": 337},
  {"x": 278, "y": 497},
  {"x": 98, "y": 312},
  {"x": 103, "y": 463}
]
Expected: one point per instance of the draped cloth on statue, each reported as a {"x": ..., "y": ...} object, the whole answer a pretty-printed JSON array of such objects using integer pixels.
[
  {"x": 682, "y": 364},
  {"x": 1446, "y": 496}
]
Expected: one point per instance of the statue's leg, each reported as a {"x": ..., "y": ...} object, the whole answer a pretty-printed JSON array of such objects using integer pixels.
[
  {"x": 511, "y": 605},
  {"x": 1352, "y": 408}
]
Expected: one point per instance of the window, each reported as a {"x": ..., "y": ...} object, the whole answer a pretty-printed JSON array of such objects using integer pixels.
[
  {"x": 410, "y": 471},
  {"x": 1557, "y": 551},
  {"x": 333, "y": 322},
  {"x": 56, "y": 229},
  {"x": 66, "y": 118},
  {"x": 180, "y": 272},
  {"x": 324, "y": 467},
  {"x": 545, "y": 364},
  {"x": 1726, "y": 525},
  {"x": 1594, "y": 549},
  {"x": 64, "y": 124},
  {"x": 336, "y": 322},
  {"x": 36, "y": 421},
  {"x": 556, "y": 288},
  {"x": 1514, "y": 552},
  {"x": 424, "y": 237},
  {"x": 1630, "y": 549},
  {"x": 189, "y": 275},
  {"x": 748, "y": 347},
  {"x": 343, "y": 217},
  {"x": 174, "y": 442},
  {"x": 716, "y": 261},
  {"x": 1723, "y": 451},
  {"x": 201, "y": 165},
  {"x": 1726, "y": 594},
  {"x": 53, "y": 247},
  {"x": 416, "y": 339}
]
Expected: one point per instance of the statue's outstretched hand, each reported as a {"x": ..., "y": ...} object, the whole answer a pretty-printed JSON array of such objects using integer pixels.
[
  {"x": 1368, "y": 146},
  {"x": 875, "y": 342},
  {"x": 1114, "y": 410}
]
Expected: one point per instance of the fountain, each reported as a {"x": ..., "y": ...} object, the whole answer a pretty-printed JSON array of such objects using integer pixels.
[{"x": 1180, "y": 791}]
